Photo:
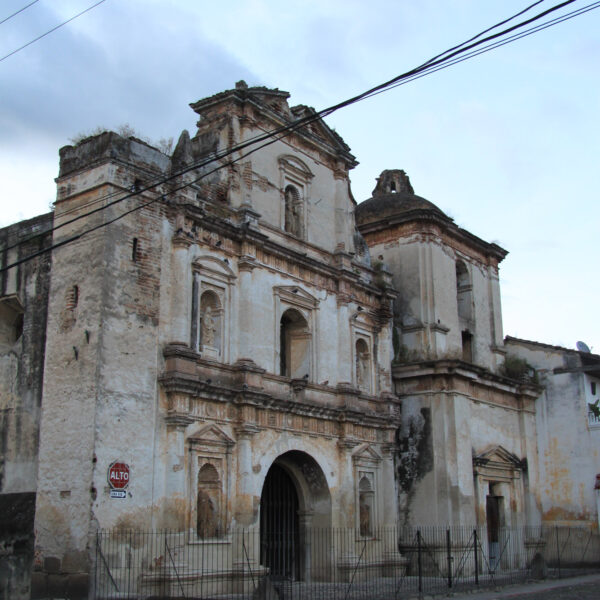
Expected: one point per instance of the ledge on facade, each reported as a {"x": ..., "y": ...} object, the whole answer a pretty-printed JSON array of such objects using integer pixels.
[
  {"x": 247, "y": 365},
  {"x": 460, "y": 368},
  {"x": 220, "y": 388},
  {"x": 179, "y": 349}
]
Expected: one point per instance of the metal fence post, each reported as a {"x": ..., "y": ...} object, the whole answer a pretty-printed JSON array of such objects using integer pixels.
[
  {"x": 449, "y": 557},
  {"x": 475, "y": 554},
  {"x": 557, "y": 549},
  {"x": 419, "y": 565}
]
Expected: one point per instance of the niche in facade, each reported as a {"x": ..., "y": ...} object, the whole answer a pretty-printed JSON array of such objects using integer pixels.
[
  {"x": 295, "y": 181},
  {"x": 365, "y": 506},
  {"x": 294, "y": 210},
  {"x": 211, "y": 307},
  {"x": 294, "y": 347},
  {"x": 367, "y": 463},
  {"x": 208, "y": 511},
  {"x": 210, "y": 324},
  {"x": 363, "y": 365}
]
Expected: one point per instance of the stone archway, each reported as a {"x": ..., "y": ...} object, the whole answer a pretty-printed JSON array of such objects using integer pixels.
[{"x": 295, "y": 510}]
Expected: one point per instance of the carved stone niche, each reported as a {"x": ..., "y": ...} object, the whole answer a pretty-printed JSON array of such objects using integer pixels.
[
  {"x": 367, "y": 466},
  {"x": 211, "y": 307},
  {"x": 209, "y": 480}
]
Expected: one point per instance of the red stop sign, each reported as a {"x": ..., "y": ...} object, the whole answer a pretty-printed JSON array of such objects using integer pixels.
[{"x": 118, "y": 475}]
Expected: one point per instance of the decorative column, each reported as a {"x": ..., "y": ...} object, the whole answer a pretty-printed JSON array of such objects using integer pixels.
[
  {"x": 344, "y": 542},
  {"x": 177, "y": 419},
  {"x": 249, "y": 556},
  {"x": 244, "y": 509},
  {"x": 246, "y": 265},
  {"x": 181, "y": 291}
]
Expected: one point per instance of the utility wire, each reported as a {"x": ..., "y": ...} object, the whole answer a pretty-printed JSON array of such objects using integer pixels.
[
  {"x": 427, "y": 67},
  {"x": 39, "y": 37},
  {"x": 434, "y": 65},
  {"x": 315, "y": 116},
  {"x": 19, "y": 11},
  {"x": 100, "y": 199},
  {"x": 486, "y": 31},
  {"x": 498, "y": 44}
]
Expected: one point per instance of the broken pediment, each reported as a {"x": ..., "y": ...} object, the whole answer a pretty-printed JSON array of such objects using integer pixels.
[
  {"x": 366, "y": 453},
  {"x": 211, "y": 435},
  {"x": 213, "y": 266},
  {"x": 318, "y": 128},
  {"x": 498, "y": 462},
  {"x": 295, "y": 166},
  {"x": 295, "y": 295}
]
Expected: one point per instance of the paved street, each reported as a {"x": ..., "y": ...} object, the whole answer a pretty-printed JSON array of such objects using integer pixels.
[{"x": 576, "y": 588}]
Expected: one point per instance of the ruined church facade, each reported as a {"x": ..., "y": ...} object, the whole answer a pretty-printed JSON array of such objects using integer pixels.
[
  {"x": 258, "y": 350},
  {"x": 225, "y": 341}
]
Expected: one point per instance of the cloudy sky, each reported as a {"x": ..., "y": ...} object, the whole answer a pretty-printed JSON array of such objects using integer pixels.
[{"x": 507, "y": 143}]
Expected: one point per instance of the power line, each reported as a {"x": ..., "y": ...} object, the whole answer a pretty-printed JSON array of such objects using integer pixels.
[
  {"x": 410, "y": 75},
  {"x": 498, "y": 44},
  {"x": 418, "y": 72},
  {"x": 19, "y": 11},
  {"x": 52, "y": 30},
  {"x": 432, "y": 65}
]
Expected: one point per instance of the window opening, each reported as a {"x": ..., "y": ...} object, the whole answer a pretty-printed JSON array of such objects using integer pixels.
[
  {"x": 294, "y": 344},
  {"x": 467, "y": 346}
]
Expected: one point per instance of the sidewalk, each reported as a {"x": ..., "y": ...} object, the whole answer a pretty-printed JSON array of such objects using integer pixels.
[{"x": 586, "y": 586}]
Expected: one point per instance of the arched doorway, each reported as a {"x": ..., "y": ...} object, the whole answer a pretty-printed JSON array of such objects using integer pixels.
[
  {"x": 279, "y": 531},
  {"x": 295, "y": 503}
]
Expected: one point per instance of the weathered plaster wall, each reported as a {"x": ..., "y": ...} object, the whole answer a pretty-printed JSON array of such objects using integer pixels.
[
  {"x": 98, "y": 380},
  {"x": 23, "y": 309},
  {"x": 423, "y": 271},
  {"x": 569, "y": 445}
]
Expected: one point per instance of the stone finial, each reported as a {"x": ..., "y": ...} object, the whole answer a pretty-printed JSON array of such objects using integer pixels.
[
  {"x": 182, "y": 155},
  {"x": 393, "y": 181},
  {"x": 241, "y": 85}
]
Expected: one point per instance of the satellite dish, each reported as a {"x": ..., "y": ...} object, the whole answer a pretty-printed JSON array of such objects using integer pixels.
[{"x": 583, "y": 347}]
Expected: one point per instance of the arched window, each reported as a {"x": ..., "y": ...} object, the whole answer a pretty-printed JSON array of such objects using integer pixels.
[
  {"x": 463, "y": 291},
  {"x": 293, "y": 211},
  {"x": 210, "y": 323},
  {"x": 294, "y": 348},
  {"x": 464, "y": 301},
  {"x": 363, "y": 365},
  {"x": 208, "y": 519},
  {"x": 365, "y": 506}
]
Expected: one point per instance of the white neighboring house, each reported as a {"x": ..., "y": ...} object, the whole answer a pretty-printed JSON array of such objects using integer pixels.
[{"x": 568, "y": 430}]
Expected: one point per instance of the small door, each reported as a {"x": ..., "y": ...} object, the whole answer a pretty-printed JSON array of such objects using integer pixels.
[{"x": 493, "y": 504}]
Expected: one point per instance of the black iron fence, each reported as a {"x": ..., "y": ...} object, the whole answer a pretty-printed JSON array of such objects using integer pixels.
[{"x": 329, "y": 564}]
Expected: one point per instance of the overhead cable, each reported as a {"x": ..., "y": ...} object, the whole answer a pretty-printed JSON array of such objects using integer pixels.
[
  {"x": 432, "y": 65},
  {"x": 39, "y": 37},
  {"x": 19, "y": 11}
]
